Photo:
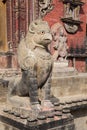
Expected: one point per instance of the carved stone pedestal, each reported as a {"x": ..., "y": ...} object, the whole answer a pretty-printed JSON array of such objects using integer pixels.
[{"x": 59, "y": 119}]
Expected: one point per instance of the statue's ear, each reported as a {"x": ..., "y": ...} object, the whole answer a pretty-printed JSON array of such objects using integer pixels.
[{"x": 33, "y": 27}]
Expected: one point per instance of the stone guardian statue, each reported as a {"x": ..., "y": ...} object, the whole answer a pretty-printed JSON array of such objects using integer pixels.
[{"x": 36, "y": 64}]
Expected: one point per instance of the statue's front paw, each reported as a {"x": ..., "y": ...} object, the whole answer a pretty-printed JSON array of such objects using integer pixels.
[
  {"x": 54, "y": 100},
  {"x": 47, "y": 105},
  {"x": 36, "y": 107}
]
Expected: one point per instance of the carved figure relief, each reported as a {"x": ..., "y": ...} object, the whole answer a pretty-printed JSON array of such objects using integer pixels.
[
  {"x": 72, "y": 15},
  {"x": 36, "y": 64},
  {"x": 59, "y": 42},
  {"x": 45, "y": 7}
]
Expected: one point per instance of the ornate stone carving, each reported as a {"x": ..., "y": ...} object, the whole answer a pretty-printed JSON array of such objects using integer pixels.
[
  {"x": 45, "y": 7},
  {"x": 36, "y": 64},
  {"x": 59, "y": 42}
]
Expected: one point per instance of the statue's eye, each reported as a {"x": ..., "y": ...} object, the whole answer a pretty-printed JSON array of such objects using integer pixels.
[{"x": 43, "y": 32}]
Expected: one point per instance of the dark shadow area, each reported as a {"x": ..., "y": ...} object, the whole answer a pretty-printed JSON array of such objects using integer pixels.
[
  {"x": 79, "y": 113},
  {"x": 80, "y": 119}
]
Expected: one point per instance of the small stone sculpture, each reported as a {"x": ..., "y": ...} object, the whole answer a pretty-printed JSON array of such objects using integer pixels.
[
  {"x": 45, "y": 7},
  {"x": 36, "y": 65},
  {"x": 59, "y": 42}
]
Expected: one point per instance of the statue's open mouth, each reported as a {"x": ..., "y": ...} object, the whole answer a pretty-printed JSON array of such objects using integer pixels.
[{"x": 48, "y": 40}]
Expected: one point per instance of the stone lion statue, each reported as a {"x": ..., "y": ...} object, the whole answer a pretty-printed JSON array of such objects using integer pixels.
[{"x": 36, "y": 64}]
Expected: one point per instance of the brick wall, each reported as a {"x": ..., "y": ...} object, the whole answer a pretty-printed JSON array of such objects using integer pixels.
[{"x": 77, "y": 38}]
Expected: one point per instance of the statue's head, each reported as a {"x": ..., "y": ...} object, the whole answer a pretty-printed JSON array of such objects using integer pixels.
[{"x": 40, "y": 32}]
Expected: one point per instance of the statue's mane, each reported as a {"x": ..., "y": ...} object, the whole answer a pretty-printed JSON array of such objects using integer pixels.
[{"x": 29, "y": 39}]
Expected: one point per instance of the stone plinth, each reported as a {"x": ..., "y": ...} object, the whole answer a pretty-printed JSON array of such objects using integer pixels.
[
  {"x": 61, "y": 69},
  {"x": 72, "y": 85},
  {"x": 58, "y": 120}
]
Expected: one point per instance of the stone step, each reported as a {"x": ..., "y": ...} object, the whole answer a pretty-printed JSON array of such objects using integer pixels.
[
  {"x": 62, "y": 69},
  {"x": 64, "y": 72}
]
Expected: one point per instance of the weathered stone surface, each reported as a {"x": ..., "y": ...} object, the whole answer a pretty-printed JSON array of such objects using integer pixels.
[
  {"x": 45, "y": 121},
  {"x": 73, "y": 101},
  {"x": 69, "y": 85},
  {"x": 36, "y": 64},
  {"x": 61, "y": 69}
]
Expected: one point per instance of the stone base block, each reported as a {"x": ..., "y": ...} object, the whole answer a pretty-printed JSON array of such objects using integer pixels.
[
  {"x": 61, "y": 69},
  {"x": 45, "y": 121},
  {"x": 69, "y": 85}
]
